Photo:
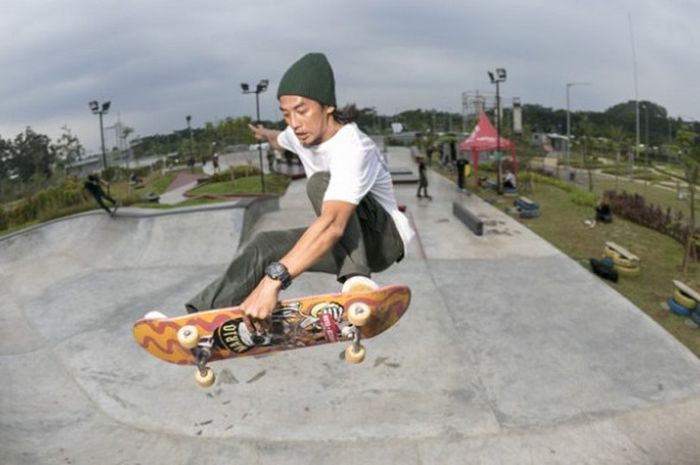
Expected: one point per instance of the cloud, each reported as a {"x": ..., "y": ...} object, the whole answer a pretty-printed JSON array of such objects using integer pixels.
[{"x": 159, "y": 61}]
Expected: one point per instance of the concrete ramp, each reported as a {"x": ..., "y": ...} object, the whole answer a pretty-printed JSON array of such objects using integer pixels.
[{"x": 510, "y": 353}]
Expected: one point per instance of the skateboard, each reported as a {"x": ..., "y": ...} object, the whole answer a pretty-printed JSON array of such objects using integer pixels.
[{"x": 359, "y": 311}]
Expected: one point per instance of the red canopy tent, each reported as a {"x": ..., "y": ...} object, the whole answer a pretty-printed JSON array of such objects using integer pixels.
[{"x": 484, "y": 139}]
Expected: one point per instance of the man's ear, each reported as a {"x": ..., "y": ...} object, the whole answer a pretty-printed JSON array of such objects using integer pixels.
[{"x": 328, "y": 110}]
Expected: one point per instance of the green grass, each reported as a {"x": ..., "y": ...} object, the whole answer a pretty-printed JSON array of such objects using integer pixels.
[
  {"x": 274, "y": 184},
  {"x": 561, "y": 224},
  {"x": 160, "y": 185}
]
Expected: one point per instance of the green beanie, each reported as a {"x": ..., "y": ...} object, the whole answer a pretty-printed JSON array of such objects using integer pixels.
[{"x": 311, "y": 77}]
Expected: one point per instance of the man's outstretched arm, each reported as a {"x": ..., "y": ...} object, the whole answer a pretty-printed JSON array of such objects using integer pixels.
[
  {"x": 317, "y": 240},
  {"x": 270, "y": 135}
]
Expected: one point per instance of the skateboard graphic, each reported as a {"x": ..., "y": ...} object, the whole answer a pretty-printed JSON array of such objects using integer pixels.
[{"x": 358, "y": 312}]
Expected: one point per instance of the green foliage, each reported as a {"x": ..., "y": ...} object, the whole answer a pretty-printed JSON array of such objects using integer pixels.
[
  {"x": 205, "y": 141},
  {"x": 68, "y": 148},
  {"x": 239, "y": 171},
  {"x": 544, "y": 179},
  {"x": 29, "y": 154},
  {"x": 433, "y": 121},
  {"x": 689, "y": 148},
  {"x": 586, "y": 199},
  {"x": 274, "y": 183},
  {"x": 4, "y": 220},
  {"x": 38, "y": 206},
  {"x": 162, "y": 184}
]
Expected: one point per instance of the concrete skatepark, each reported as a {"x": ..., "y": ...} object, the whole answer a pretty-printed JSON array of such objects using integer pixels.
[{"x": 510, "y": 353}]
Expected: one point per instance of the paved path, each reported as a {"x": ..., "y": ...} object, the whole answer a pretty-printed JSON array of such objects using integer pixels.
[
  {"x": 176, "y": 191},
  {"x": 511, "y": 353}
]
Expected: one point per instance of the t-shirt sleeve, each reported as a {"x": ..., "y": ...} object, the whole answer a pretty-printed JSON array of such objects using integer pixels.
[
  {"x": 353, "y": 173},
  {"x": 287, "y": 140}
]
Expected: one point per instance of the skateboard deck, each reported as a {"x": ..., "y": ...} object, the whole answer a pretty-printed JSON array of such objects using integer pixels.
[{"x": 296, "y": 323}]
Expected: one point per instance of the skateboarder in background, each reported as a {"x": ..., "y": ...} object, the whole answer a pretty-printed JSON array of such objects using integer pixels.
[
  {"x": 359, "y": 228},
  {"x": 94, "y": 186}
]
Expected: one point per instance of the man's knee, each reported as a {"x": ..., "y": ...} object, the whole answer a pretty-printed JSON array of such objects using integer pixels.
[
  {"x": 272, "y": 245},
  {"x": 317, "y": 184}
]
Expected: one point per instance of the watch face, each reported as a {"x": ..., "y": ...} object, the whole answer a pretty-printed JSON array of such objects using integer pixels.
[
  {"x": 275, "y": 270},
  {"x": 278, "y": 271}
]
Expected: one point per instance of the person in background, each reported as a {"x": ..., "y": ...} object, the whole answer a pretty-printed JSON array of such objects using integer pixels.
[
  {"x": 422, "y": 180},
  {"x": 603, "y": 212},
  {"x": 94, "y": 186},
  {"x": 509, "y": 181}
]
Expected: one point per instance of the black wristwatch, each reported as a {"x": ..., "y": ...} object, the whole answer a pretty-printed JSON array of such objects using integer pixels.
[{"x": 278, "y": 271}]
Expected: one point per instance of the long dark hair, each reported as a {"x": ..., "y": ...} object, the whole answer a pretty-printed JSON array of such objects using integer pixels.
[{"x": 347, "y": 114}]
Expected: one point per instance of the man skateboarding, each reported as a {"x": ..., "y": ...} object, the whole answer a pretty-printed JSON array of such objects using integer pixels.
[
  {"x": 359, "y": 229},
  {"x": 94, "y": 186}
]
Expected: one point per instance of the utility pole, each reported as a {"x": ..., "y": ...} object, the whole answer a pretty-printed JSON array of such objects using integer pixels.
[
  {"x": 500, "y": 77},
  {"x": 568, "y": 125}
]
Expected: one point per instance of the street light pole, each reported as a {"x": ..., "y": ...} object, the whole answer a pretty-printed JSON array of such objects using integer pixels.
[
  {"x": 500, "y": 77},
  {"x": 100, "y": 110},
  {"x": 261, "y": 87},
  {"x": 568, "y": 125},
  {"x": 188, "y": 118}
]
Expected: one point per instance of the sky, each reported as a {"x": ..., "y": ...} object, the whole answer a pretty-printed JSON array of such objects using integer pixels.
[{"x": 158, "y": 61}]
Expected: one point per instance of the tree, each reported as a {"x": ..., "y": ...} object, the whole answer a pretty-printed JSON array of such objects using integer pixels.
[
  {"x": 32, "y": 154},
  {"x": 688, "y": 145},
  {"x": 68, "y": 148},
  {"x": 618, "y": 144},
  {"x": 5, "y": 157},
  {"x": 588, "y": 144}
]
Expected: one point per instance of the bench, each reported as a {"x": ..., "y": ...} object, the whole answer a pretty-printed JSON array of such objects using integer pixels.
[
  {"x": 623, "y": 252},
  {"x": 469, "y": 219},
  {"x": 526, "y": 204},
  {"x": 685, "y": 289}
]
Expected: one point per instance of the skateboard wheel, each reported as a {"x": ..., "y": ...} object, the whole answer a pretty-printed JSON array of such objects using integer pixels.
[
  {"x": 205, "y": 380},
  {"x": 353, "y": 356},
  {"x": 188, "y": 336},
  {"x": 154, "y": 316},
  {"x": 359, "y": 284},
  {"x": 359, "y": 313}
]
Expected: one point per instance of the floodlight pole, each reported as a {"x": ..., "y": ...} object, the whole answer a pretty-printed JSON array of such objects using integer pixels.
[
  {"x": 500, "y": 77},
  {"x": 568, "y": 125},
  {"x": 188, "y": 118},
  {"x": 100, "y": 110},
  {"x": 261, "y": 87}
]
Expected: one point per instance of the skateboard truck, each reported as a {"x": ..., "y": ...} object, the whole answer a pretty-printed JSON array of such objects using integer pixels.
[
  {"x": 354, "y": 353},
  {"x": 204, "y": 376},
  {"x": 188, "y": 337}
]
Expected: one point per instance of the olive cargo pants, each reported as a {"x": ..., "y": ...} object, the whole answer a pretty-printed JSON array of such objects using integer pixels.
[{"x": 371, "y": 243}]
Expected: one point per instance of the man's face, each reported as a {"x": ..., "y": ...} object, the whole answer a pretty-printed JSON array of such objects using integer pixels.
[{"x": 308, "y": 118}]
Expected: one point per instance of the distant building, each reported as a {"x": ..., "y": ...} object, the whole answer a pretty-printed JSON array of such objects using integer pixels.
[{"x": 550, "y": 142}]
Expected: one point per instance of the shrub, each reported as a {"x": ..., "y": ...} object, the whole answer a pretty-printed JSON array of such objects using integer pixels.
[
  {"x": 586, "y": 199},
  {"x": 4, "y": 222},
  {"x": 634, "y": 207},
  {"x": 239, "y": 171},
  {"x": 48, "y": 203}
]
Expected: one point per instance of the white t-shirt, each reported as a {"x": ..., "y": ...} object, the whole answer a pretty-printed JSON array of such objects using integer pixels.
[{"x": 357, "y": 167}]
